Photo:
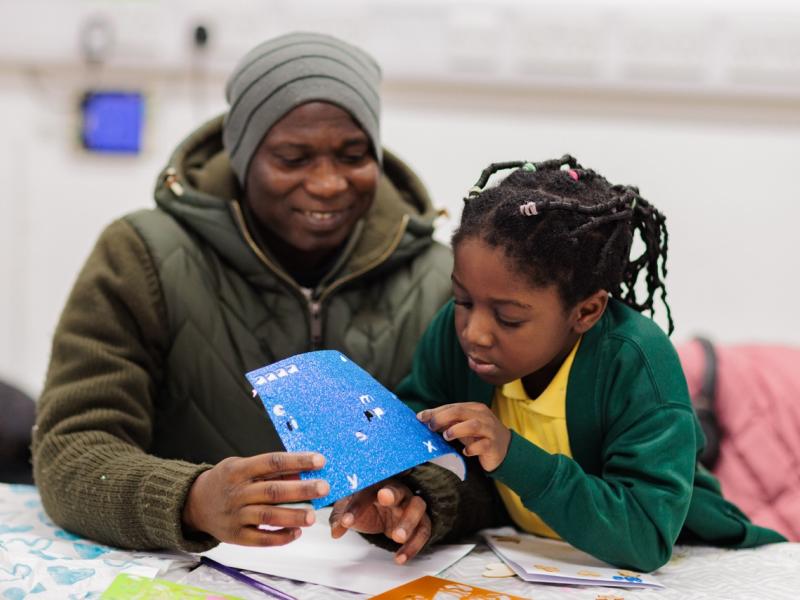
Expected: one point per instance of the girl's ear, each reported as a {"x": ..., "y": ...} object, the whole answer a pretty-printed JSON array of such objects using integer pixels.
[{"x": 589, "y": 310}]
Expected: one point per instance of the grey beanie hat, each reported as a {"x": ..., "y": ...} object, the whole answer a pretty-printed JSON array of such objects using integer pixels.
[{"x": 293, "y": 69}]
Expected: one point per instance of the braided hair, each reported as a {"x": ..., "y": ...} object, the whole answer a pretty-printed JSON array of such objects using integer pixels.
[{"x": 562, "y": 224}]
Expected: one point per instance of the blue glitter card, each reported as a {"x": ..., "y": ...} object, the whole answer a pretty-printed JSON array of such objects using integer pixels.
[{"x": 324, "y": 402}]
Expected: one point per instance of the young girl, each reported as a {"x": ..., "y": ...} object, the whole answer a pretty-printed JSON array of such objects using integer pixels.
[{"x": 574, "y": 403}]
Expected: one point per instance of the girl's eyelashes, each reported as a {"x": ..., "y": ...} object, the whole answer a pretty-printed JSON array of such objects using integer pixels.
[{"x": 510, "y": 324}]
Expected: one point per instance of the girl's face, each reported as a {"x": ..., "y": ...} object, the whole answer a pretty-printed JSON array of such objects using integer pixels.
[{"x": 508, "y": 328}]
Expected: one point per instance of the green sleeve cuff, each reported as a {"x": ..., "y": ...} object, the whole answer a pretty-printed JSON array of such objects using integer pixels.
[
  {"x": 163, "y": 495},
  {"x": 526, "y": 469}
]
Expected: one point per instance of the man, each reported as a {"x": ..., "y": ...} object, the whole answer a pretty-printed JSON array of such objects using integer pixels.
[{"x": 281, "y": 227}]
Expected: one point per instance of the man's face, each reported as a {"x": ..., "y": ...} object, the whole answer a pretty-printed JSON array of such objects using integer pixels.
[{"x": 311, "y": 179}]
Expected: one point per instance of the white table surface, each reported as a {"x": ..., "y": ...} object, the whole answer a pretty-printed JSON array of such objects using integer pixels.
[{"x": 39, "y": 560}]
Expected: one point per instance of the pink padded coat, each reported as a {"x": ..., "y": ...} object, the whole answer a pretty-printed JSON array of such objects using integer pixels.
[{"x": 757, "y": 402}]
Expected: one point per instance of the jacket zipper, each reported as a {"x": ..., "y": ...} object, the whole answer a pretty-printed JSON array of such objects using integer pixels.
[
  {"x": 315, "y": 314},
  {"x": 314, "y": 304}
]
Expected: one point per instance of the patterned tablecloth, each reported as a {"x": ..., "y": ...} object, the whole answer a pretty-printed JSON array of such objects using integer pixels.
[{"x": 39, "y": 560}]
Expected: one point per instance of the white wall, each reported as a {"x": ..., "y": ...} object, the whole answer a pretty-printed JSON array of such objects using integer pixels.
[
  {"x": 720, "y": 162},
  {"x": 726, "y": 184}
]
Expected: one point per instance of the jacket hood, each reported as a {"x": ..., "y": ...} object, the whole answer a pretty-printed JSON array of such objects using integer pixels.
[{"x": 199, "y": 189}]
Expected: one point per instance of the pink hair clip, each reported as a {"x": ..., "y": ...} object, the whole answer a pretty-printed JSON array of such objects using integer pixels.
[{"x": 528, "y": 209}]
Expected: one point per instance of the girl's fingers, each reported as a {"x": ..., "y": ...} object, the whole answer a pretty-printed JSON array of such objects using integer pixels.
[
  {"x": 466, "y": 441},
  {"x": 478, "y": 448},
  {"x": 447, "y": 415},
  {"x": 412, "y": 515},
  {"x": 393, "y": 493},
  {"x": 446, "y": 418},
  {"x": 436, "y": 413},
  {"x": 415, "y": 543},
  {"x": 472, "y": 428},
  {"x": 349, "y": 511},
  {"x": 338, "y": 526},
  {"x": 428, "y": 413}
]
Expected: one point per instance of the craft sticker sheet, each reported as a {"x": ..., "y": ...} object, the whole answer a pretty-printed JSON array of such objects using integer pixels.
[
  {"x": 436, "y": 588},
  {"x": 543, "y": 560},
  {"x": 133, "y": 587},
  {"x": 324, "y": 402}
]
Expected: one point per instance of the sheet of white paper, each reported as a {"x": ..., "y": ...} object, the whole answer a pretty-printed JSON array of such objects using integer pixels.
[
  {"x": 349, "y": 563},
  {"x": 539, "y": 559}
]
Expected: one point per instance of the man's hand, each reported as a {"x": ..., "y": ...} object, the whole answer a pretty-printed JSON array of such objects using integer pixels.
[
  {"x": 390, "y": 508},
  {"x": 234, "y": 498},
  {"x": 476, "y": 426}
]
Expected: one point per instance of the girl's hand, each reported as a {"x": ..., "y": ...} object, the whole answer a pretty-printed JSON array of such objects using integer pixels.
[
  {"x": 390, "y": 508},
  {"x": 233, "y": 499},
  {"x": 476, "y": 426}
]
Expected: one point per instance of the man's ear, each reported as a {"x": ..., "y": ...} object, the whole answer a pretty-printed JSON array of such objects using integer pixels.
[{"x": 589, "y": 310}]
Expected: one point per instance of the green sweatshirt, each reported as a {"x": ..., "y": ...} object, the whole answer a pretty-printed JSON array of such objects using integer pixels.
[{"x": 634, "y": 485}]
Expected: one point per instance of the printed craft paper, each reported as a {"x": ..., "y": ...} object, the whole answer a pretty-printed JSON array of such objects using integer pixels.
[
  {"x": 543, "y": 560},
  {"x": 134, "y": 587},
  {"x": 324, "y": 402},
  {"x": 436, "y": 588}
]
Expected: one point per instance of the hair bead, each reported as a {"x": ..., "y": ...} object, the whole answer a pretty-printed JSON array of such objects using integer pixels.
[{"x": 473, "y": 192}]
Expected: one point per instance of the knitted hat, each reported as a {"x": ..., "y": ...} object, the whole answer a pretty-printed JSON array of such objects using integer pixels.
[{"x": 293, "y": 69}]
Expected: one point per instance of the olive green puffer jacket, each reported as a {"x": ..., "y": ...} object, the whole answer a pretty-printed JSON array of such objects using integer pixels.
[{"x": 146, "y": 384}]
